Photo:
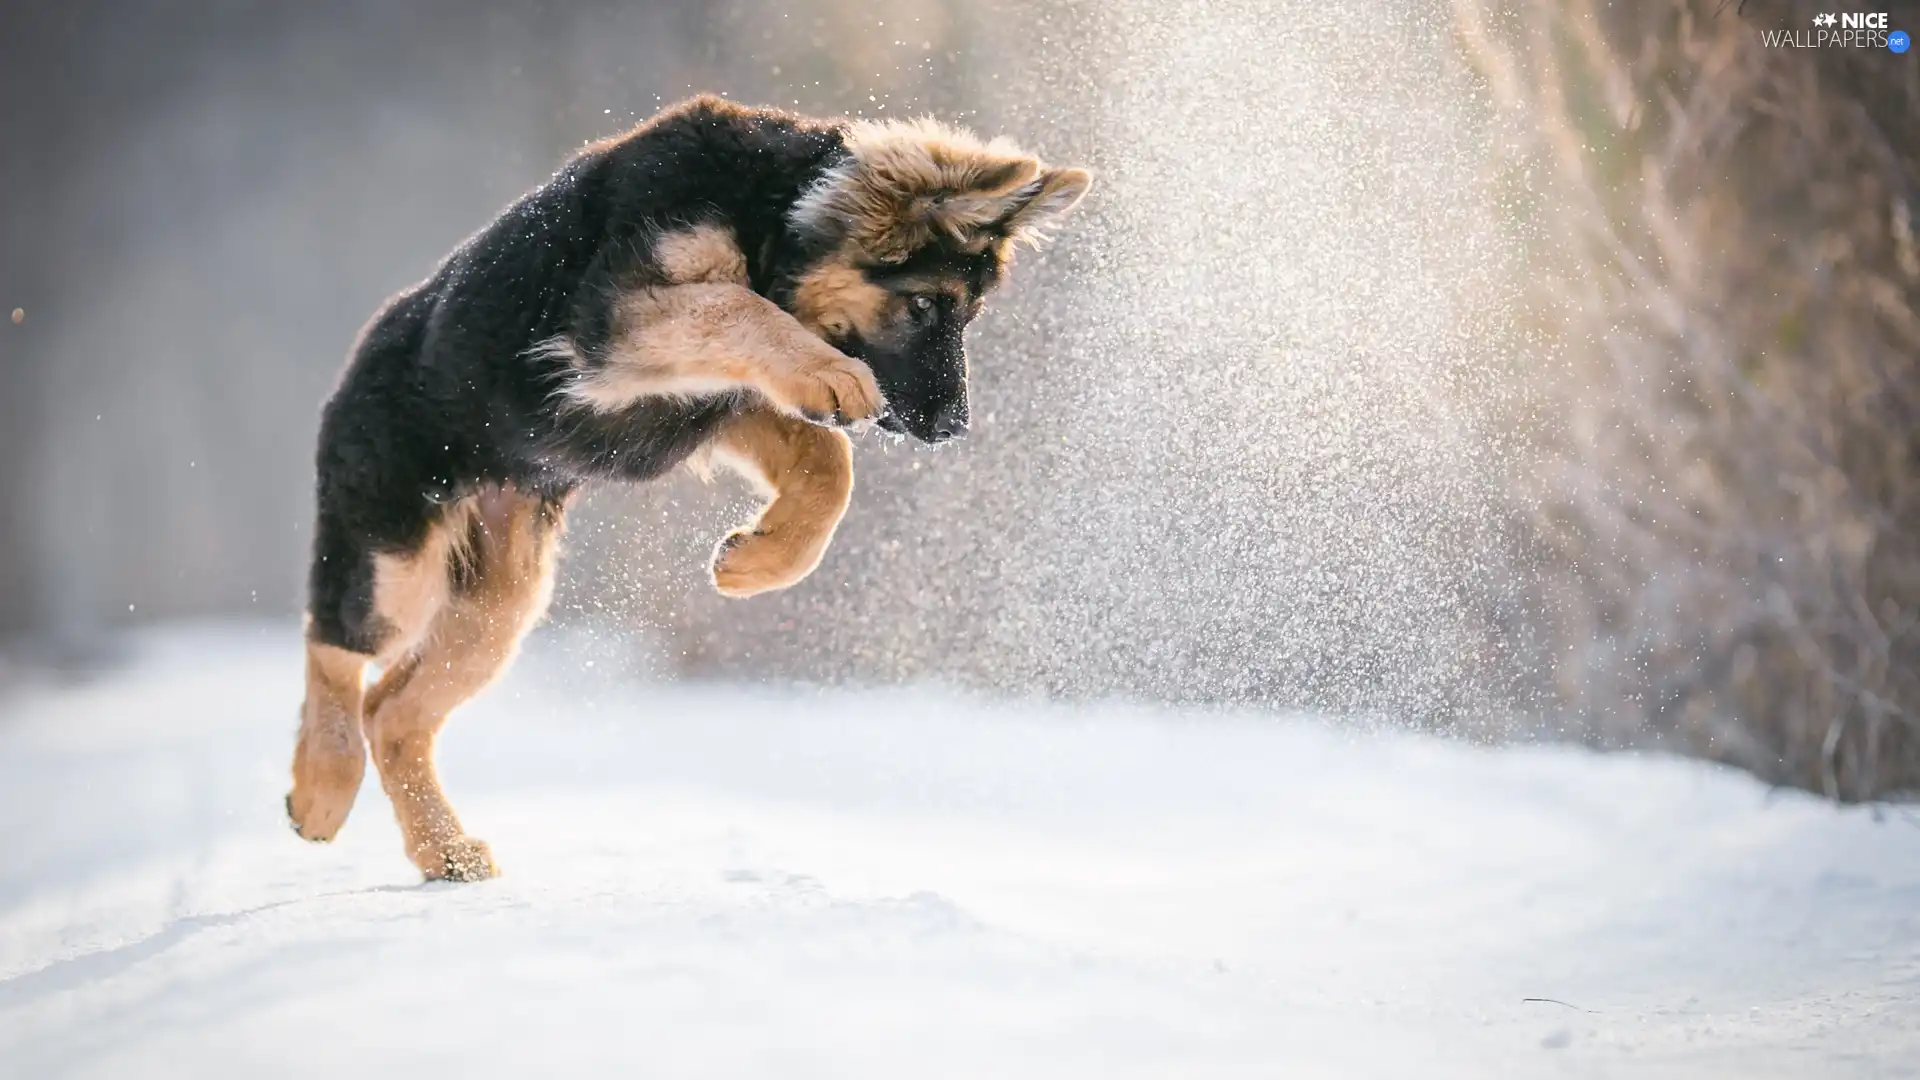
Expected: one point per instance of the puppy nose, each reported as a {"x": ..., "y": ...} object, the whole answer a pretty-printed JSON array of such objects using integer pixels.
[{"x": 950, "y": 424}]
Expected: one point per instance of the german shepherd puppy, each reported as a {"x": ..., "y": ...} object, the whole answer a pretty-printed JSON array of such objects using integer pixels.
[{"x": 721, "y": 284}]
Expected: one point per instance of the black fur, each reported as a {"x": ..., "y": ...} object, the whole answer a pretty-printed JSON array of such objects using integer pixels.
[{"x": 443, "y": 397}]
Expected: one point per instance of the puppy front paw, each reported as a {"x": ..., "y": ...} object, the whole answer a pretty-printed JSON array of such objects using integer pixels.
[
  {"x": 834, "y": 390},
  {"x": 749, "y": 562}
]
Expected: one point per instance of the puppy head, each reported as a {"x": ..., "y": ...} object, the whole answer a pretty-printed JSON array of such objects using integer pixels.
[{"x": 910, "y": 228}]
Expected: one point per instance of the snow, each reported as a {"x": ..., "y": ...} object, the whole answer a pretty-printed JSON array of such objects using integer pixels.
[{"x": 710, "y": 881}]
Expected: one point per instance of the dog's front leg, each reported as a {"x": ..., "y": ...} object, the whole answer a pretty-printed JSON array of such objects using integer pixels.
[
  {"x": 807, "y": 472},
  {"x": 709, "y": 338}
]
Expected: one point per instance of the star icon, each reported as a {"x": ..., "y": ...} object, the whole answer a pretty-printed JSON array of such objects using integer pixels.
[{"x": 1824, "y": 20}]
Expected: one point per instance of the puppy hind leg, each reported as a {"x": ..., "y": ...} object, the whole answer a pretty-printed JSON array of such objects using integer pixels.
[
  {"x": 329, "y": 759},
  {"x": 472, "y": 641},
  {"x": 808, "y": 471},
  {"x": 330, "y": 754},
  {"x": 458, "y": 661}
]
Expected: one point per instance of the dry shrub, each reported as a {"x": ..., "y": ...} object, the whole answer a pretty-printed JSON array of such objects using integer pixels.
[{"x": 1723, "y": 238}]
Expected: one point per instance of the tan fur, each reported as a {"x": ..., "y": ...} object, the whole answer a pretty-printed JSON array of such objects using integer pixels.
[
  {"x": 808, "y": 472},
  {"x": 909, "y": 183},
  {"x": 704, "y": 254},
  {"x": 443, "y": 646},
  {"x": 471, "y": 642},
  {"x": 689, "y": 340},
  {"x": 391, "y": 679},
  {"x": 1056, "y": 192},
  {"x": 329, "y": 755},
  {"x": 835, "y": 297},
  {"x": 408, "y": 590}
]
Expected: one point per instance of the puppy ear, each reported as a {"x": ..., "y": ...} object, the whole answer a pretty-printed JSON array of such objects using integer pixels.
[
  {"x": 982, "y": 193},
  {"x": 1038, "y": 205}
]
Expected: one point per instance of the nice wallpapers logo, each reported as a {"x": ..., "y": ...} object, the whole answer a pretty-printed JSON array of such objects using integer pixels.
[{"x": 1847, "y": 30}]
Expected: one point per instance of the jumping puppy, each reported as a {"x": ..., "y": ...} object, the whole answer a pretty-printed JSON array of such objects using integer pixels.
[{"x": 722, "y": 283}]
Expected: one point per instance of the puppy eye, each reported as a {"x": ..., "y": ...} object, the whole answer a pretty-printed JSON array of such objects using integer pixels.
[{"x": 922, "y": 303}]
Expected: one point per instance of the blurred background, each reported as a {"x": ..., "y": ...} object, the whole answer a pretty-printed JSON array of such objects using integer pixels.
[{"x": 1504, "y": 369}]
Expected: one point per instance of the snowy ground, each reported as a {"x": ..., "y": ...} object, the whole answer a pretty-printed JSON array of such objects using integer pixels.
[{"x": 728, "y": 882}]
